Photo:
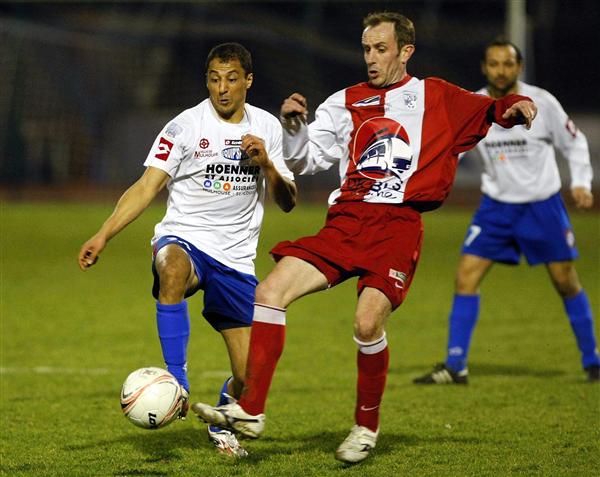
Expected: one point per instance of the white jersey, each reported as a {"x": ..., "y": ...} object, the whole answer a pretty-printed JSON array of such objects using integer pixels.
[
  {"x": 216, "y": 193},
  {"x": 520, "y": 164}
]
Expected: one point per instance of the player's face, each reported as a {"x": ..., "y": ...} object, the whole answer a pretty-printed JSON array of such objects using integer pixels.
[
  {"x": 227, "y": 84},
  {"x": 501, "y": 69},
  {"x": 385, "y": 64}
]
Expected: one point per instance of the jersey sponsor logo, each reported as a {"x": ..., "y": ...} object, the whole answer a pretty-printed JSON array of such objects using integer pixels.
[
  {"x": 164, "y": 149},
  {"x": 173, "y": 130},
  {"x": 370, "y": 101},
  {"x": 383, "y": 149},
  {"x": 400, "y": 276},
  {"x": 410, "y": 99},
  {"x": 233, "y": 142},
  {"x": 204, "y": 143},
  {"x": 233, "y": 153}
]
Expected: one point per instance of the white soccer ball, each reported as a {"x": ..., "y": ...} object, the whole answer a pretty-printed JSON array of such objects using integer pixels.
[{"x": 151, "y": 398}]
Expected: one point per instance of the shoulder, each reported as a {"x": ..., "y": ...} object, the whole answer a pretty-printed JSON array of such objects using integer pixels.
[
  {"x": 263, "y": 117},
  {"x": 543, "y": 98}
]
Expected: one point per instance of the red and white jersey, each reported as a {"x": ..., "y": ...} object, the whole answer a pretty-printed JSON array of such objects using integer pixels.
[
  {"x": 216, "y": 193},
  {"x": 520, "y": 164},
  {"x": 394, "y": 145}
]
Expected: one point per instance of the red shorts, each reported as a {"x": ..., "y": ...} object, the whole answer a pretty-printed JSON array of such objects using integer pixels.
[{"x": 379, "y": 243}]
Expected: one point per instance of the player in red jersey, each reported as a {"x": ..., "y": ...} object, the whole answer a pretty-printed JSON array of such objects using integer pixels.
[{"x": 396, "y": 140}]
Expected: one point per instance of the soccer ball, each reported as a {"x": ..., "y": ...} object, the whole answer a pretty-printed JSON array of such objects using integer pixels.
[{"x": 151, "y": 398}]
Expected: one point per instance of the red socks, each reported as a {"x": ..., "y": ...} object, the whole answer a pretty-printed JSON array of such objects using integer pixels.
[
  {"x": 372, "y": 361},
  {"x": 266, "y": 345}
]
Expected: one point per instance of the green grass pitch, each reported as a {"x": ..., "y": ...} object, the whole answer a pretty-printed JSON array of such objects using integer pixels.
[{"x": 69, "y": 339}]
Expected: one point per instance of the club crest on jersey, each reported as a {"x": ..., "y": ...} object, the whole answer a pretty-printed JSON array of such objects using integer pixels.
[
  {"x": 164, "y": 149},
  {"x": 410, "y": 99},
  {"x": 381, "y": 149},
  {"x": 370, "y": 101}
]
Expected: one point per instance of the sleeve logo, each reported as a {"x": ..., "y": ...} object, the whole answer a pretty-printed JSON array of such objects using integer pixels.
[{"x": 164, "y": 149}]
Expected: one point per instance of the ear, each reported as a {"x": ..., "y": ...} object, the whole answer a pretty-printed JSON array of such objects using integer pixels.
[
  {"x": 249, "y": 79},
  {"x": 406, "y": 52},
  {"x": 483, "y": 70}
]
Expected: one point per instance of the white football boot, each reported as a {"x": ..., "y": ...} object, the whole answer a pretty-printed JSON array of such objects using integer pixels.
[
  {"x": 226, "y": 442},
  {"x": 357, "y": 445},
  {"x": 231, "y": 416}
]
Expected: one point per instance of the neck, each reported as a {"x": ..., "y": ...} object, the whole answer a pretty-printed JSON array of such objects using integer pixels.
[{"x": 500, "y": 93}]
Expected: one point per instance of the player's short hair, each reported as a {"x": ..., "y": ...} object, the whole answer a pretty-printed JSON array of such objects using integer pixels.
[
  {"x": 503, "y": 42},
  {"x": 404, "y": 28},
  {"x": 231, "y": 51}
]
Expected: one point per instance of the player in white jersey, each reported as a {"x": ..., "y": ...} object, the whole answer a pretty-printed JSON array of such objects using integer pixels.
[
  {"x": 217, "y": 161},
  {"x": 522, "y": 213},
  {"x": 395, "y": 139}
]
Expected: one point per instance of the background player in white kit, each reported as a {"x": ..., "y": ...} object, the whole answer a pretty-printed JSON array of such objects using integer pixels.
[
  {"x": 522, "y": 212},
  {"x": 216, "y": 159}
]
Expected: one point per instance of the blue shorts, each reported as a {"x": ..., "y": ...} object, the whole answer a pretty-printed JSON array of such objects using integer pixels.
[
  {"x": 228, "y": 294},
  {"x": 541, "y": 231}
]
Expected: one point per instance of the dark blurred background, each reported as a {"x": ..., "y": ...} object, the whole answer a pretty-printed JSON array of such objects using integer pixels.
[{"x": 86, "y": 86}]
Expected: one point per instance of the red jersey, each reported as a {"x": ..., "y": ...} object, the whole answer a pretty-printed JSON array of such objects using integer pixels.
[{"x": 395, "y": 145}]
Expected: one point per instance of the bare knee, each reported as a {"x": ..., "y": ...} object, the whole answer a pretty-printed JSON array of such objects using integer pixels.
[
  {"x": 269, "y": 293},
  {"x": 174, "y": 269},
  {"x": 470, "y": 273},
  {"x": 564, "y": 278},
  {"x": 367, "y": 328}
]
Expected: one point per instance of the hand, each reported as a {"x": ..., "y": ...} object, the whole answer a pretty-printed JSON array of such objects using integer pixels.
[
  {"x": 583, "y": 197},
  {"x": 294, "y": 111},
  {"x": 526, "y": 109},
  {"x": 254, "y": 147},
  {"x": 88, "y": 255}
]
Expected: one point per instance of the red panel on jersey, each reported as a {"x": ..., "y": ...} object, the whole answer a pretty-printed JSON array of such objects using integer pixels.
[{"x": 164, "y": 148}]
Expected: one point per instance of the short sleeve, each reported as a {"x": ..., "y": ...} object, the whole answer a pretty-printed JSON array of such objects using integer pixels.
[{"x": 171, "y": 145}]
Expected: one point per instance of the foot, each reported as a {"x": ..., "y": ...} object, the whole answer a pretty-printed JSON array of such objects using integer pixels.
[
  {"x": 593, "y": 372},
  {"x": 357, "y": 445},
  {"x": 231, "y": 416},
  {"x": 226, "y": 442},
  {"x": 443, "y": 375},
  {"x": 185, "y": 404}
]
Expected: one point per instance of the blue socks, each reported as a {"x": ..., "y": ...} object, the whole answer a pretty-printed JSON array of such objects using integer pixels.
[
  {"x": 462, "y": 320},
  {"x": 173, "y": 324},
  {"x": 580, "y": 315}
]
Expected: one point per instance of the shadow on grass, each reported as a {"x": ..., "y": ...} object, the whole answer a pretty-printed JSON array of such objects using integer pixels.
[
  {"x": 164, "y": 448},
  {"x": 486, "y": 369}
]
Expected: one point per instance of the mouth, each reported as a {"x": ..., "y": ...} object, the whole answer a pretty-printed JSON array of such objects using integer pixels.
[{"x": 373, "y": 74}]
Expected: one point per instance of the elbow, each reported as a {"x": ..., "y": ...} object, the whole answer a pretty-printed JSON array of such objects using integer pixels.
[{"x": 289, "y": 204}]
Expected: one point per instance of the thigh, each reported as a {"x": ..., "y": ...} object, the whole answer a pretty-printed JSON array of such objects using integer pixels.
[
  {"x": 228, "y": 296},
  {"x": 391, "y": 252},
  {"x": 491, "y": 233},
  {"x": 545, "y": 233},
  {"x": 172, "y": 262},
  {"x": 291, "y": 278}
]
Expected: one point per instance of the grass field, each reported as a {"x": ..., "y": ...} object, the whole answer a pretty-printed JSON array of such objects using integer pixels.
[{"x": 69, "y": 339}]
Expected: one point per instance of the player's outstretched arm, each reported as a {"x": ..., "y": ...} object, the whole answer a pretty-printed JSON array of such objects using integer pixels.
[
  {"x": 131, "y": 204},
  {"x": 525, "y": 109},
  {"x": 281, "y": 189}
]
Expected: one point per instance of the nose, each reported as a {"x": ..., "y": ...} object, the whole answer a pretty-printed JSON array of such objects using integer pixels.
[
  {"x": 222, "y": 87},
  {"x": 369, "y": 57}
]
